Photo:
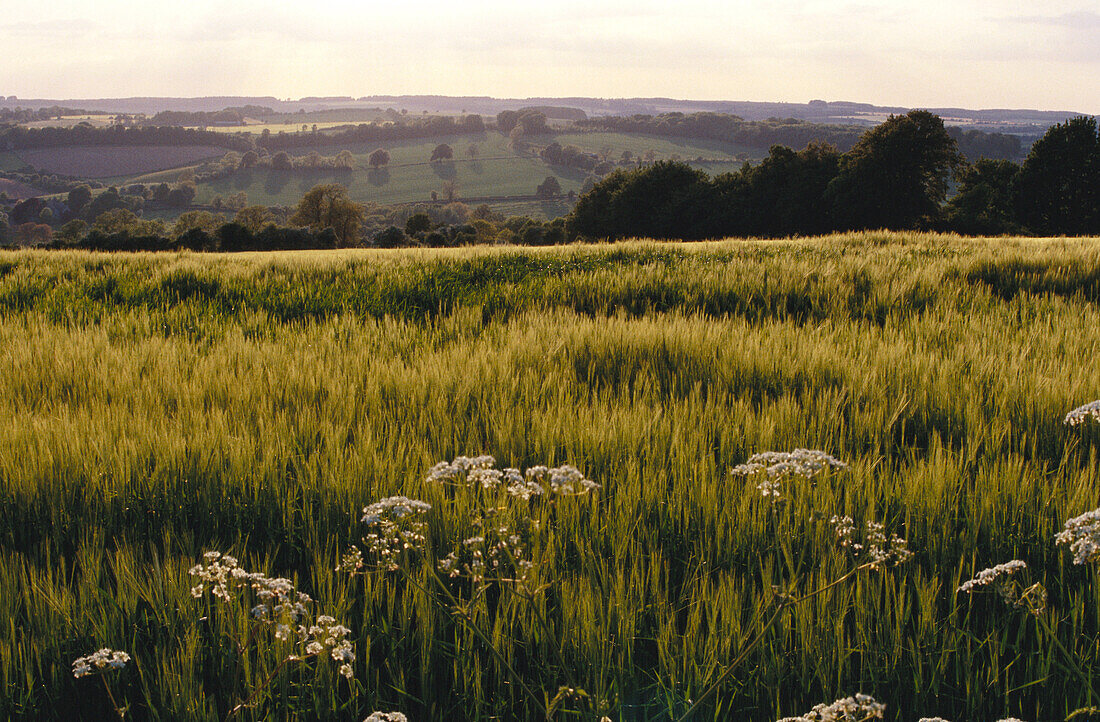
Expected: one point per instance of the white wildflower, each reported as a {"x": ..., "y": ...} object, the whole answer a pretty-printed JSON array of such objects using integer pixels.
[
  {"x": 394, "y": 527},
  {"x": 386, "y": 717},
  {"x": 1082, "y": 534},
  {"x": 876, "y": 547},
  {"x": 992, "y": 575},
  {"x": 562, "y": 480},
  {"x": 860, "y": 708},
  {"x": 458, "y": 471},
  {"x": 806, "y": 463},
  {"x": 1083, "y": 414},
  {"x": 770, "y": 488},
  {"x": 932, "y": 719},
  {"x": 102, "y": 660}
]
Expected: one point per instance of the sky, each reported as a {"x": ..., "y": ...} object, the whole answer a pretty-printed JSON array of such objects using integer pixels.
[{"x": 916, "y": 53}]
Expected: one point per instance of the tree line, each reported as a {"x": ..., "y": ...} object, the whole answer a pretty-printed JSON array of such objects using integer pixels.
[
  {"x": 790, "y": 132},
  {"x": 896, "y": 176}
]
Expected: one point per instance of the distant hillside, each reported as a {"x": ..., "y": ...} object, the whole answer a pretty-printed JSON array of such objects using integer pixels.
[{"x": 1028, "y": 123}]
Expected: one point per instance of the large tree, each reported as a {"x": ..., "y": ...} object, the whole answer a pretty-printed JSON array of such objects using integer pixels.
[
  {"x": 1059, "y": 185},
  {"x": 785, "y": 193},
  {"x": 328, "y": 206},
  {"x": 983, "y": 204},
  {"x": 896, "y": 174},
  {"x": 663, "y": 200}
]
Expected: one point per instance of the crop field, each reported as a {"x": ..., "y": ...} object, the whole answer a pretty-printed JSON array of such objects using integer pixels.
[
  {"x": 291, "y": 126},
  {"x": 17, "y": 190},
  {"x": 159, "y": 407},
  {"x": 99, "y": 120},
  {"x": 114, "y": 161}
]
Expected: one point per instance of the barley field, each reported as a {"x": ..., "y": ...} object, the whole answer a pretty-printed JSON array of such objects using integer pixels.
[{"x": 158, "y": 407}]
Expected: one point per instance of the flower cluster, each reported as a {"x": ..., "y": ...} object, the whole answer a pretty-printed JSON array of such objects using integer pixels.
[
  {"x": 1000, "y": 577},
  {"x": 993, "y": 575},
  {"x": 457, "y": 472},
  {"x": 1083, "y": 414},
  {"x": 324, "y": 636},
  {"x": 806, "y": 463},
  {"x": 386, "y": 717},
  {"x": 102, "y": 661},
  {"x": 500, "y": 553},
  {"x": 876, "y": 547},
  {"x": 860, "y": 708},
  {"x": 224, "y": 577},
  {"x": 394, "y": 527},
  {"x": 1082, "y": 534},
  {"x": 932, "y": 719},
  {"x": 561, "y": 480},
  {"x": 481, "y": 472},
  {"x": 278, "y": 604},
  {"x": 775, "y": 466}
]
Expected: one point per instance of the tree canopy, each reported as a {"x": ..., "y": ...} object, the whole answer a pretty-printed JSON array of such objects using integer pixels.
[{"x": 328, "y": 206}]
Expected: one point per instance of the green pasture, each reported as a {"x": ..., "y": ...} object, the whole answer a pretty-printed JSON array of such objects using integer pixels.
[
  {"x": 496, "y": 171},
  {"x": 159, "y": 406},
  {"x": 10, "y": 161}
]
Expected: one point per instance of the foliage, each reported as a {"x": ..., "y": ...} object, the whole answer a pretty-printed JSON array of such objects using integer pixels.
[
  {"x": 896, "y": 175},
  {"x": 328, "y": 206},
  {"x": 984, "y": 202},
  {"x": 1059, "y": 183}
]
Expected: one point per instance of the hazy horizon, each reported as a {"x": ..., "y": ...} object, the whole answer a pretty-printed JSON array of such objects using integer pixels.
[{"x": 966, "y": 53}]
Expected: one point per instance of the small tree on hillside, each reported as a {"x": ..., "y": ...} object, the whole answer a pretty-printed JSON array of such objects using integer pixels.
[
  {"x": 442, "y": 152},
  {"x": 549, "y": 188},
  {"x": 379, "y": 157}
]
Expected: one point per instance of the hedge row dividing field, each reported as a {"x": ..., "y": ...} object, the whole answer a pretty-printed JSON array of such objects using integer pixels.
[{"x": 156, "y": 407}]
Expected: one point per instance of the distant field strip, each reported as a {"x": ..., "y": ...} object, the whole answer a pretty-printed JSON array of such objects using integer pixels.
[
  {"x": 159, "y": 406},
  {"x": 111, "y": 161}
]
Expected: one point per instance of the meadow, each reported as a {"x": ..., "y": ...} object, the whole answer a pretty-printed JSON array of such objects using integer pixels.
[
  {"x": 497, "y": 170},
  {"x": 156, "y": 407}
]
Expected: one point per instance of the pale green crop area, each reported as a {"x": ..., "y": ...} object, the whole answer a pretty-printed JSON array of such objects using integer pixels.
[{"x": 158, "y": 406}]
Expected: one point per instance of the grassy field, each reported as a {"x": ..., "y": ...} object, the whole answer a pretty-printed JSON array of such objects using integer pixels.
[
  {"x": 159, "y": 406},
  {"x": 10, "y": 161},
  {"x": 116, "y": 161},
  {"x": 497, "y": 170},
  {"x": 99, "y": 120}
]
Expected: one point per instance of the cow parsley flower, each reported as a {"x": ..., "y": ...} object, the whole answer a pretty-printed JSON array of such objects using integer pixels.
[
  {"x": 386, "y": 717},
  {"x": 992, "y": 575},
  {"x": 1083, "y": 414},
  {"x": 1082, "y": 535},
  {"x": 458, "y": 472},
  {"x": 859, "y": 708},
  {"x": 876, "y": 547},
  {"x": 806, "y": 463},
  {"x": 501, "y": 553},
  {"x": 103, "y": 660},
  {"x": 276, "y": 603},
  {"x": 394, "y": 527}
]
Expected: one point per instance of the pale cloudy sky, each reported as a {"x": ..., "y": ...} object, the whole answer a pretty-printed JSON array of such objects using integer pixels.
[{"x": 926, "y": 53}]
